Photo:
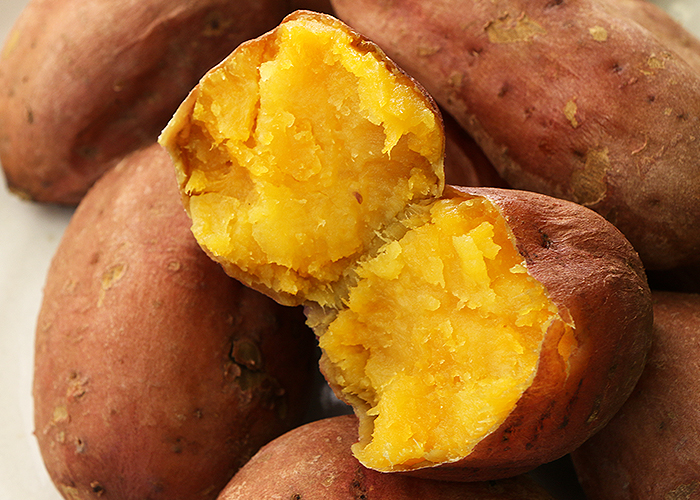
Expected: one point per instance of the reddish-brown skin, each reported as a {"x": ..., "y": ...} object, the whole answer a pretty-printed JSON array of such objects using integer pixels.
[
  {"x": 465, "y": 162},
  {"x": 570, "y": 98},
  {"x": 650, "y": 450},
  {"x": 314, "y": 462},
  {"x": 85, "y": 83},
  {"x": 595, "y": 277},
  {"x": 156, "y": 375}
]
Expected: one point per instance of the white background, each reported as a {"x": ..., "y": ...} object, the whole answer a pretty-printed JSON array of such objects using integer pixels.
[{"x": 29, "y": 234}]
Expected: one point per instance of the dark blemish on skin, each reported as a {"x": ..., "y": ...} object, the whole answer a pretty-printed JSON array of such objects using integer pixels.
[
  {"x": 504, "y": 89},
  {"x": 651, "y": 98},
  {"x": 358, "y": 197},
  {"x": 30, "y": 116},
  {"x": 564, "y": 423},
  {"x": 546, "y": 241},
  {"x": 295, "y": 496},
  {"x": 80, "y": 446},
  {"x": 554, "y": 3},
  {"x": 97, "y": 488},
  {"x": 616, "y": 68}
]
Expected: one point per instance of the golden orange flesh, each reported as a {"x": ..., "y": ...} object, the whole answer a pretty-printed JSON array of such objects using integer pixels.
[
  {"x": 312, "y": 169},
  {"x": 297, "y": 149}
]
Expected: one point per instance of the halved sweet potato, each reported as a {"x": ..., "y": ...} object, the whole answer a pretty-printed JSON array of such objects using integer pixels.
[{"x": 476, "y": 332}]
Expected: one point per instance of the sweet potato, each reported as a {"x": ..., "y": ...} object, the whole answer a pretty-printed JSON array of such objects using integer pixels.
[
  {"x": 85, "y": 83},
  {"x": 650, "y": 448},
  {"x": 156, "y": 375},
  {"x": 465, "y": 162},
  {"x": 314, "y": 462},
  {"x": 574, "y": 99},
  {"x": 476, "y": 332}
]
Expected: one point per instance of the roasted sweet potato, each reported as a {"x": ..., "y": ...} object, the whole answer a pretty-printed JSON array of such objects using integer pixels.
[
  {"x": 314, "y": 462},
  {"x": 85, "y": 83},
  {"x": 156, "y": 375},
  {"x": 650, "y": 449},
  {"x": 476, "y": 332},
  {"x": 465, "y": 162},
  {"x": 574, "y": 99}
]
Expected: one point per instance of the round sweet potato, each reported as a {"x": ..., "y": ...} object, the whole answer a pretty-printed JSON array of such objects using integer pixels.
[
  {"x": 156, "y": 375},
  {"x": 314, "y": 462},
  {"x": 574, "y": 99},
  {"x": 85, "y": 83},
  {"x": 650, "y": 448},
  {"x": 477, "y": 333}
]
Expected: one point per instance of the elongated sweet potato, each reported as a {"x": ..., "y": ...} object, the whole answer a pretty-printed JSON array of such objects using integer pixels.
[
  {"x": 476, "y": 332},
  {"x": 650, "y": 448},
  {"x": 156, "y": 375},
  {"x": 85, "y": 83},
  {"x": 574, "y": 99},
  {"x": 314, "y": 462}
]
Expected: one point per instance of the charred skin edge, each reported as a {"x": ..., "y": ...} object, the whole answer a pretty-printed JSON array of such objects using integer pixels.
[{"x": 179, "y": 126}]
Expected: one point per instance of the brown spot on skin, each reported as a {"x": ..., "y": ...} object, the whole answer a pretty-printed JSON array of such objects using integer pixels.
[
  {"x": 247, "y": 353},
  {"x": 598, "y": 33},
  {"x": 97, "y": 488},
  {"x": 589, "y": 183},
  {"x": 570, "y": 110},
  {"x": 682, "y": 492},
  {"x": 358, "y": 197},
  {"x": 111, "y": 276},
  {"x": 80, "y": 446},
  {"x": 507, "y": 29}
]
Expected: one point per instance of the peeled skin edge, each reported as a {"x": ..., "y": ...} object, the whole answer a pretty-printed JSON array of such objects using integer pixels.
[{"x": 503, "y": 327}]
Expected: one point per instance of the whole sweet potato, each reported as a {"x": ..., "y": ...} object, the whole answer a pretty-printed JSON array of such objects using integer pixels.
[
  {"x": 85, "y": 83},
  {"x": 575, "y": 99},
  {"x": 314, "y": 462},
  {"x": 650, "y": 449},
  {"x": 156, "y": 375},
  {"x": 477, "y": 333}
]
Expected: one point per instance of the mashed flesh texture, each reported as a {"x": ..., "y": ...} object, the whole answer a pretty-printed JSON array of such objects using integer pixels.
[
  {"x": 311, "y": 167},
  {"x": 440, "y": 337},
  {"x": 299, "y": 150}
]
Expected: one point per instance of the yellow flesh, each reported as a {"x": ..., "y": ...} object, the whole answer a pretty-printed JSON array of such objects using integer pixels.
[
  {"x": 440, "y": 337},
  {"x": 279, "y": 183},
  {"x": 312, "y": 168}
]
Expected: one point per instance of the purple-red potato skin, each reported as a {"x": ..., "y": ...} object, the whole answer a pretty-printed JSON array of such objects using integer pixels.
[
  {"x": 595, "y": 278},
  {"x": 650, "y": 450},
  {"x": 85, "y": 83},
  {"x": 156, "y": 375},
  {"x": 573, "y": 99},
  {"x": 314, "y": 462}
]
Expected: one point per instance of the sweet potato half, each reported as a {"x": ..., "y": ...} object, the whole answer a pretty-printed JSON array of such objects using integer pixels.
[
  {"x": 156, "y": 374},
  {"x": 477, "y": 333},
  {"x": 593, "y": 101}
]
